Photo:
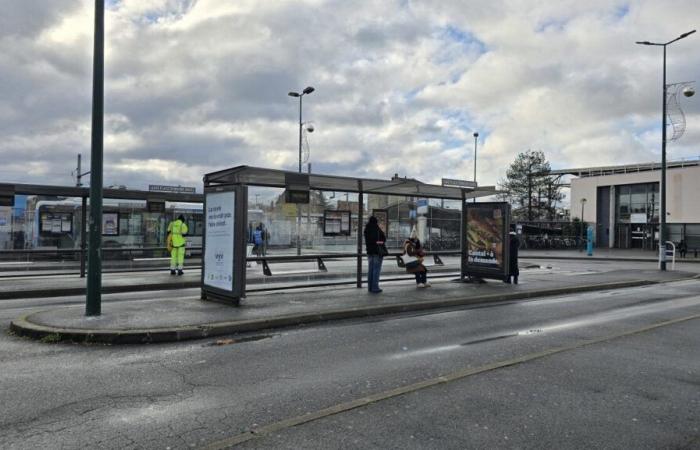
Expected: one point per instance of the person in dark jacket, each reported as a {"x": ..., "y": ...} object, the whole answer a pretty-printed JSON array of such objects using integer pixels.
[
  {"x": 682, "y": 248},
  {"x": 374, "y": 238},
  {"x": 514, "y": 246}
]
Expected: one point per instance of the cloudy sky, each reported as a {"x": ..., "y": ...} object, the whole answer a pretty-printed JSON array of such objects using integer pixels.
[{"x": 194, "y": 86}]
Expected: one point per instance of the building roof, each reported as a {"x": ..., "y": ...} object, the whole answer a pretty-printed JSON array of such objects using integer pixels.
[
  {"x": 627, "y": 168},
  {"x": 409, "y": 187}
]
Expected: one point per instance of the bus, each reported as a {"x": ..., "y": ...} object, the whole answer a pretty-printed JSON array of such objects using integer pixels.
[{"x": 56, "y": 224}]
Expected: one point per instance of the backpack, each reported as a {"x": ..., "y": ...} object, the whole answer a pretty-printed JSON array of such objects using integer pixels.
[{"x": 258, "y": 237}]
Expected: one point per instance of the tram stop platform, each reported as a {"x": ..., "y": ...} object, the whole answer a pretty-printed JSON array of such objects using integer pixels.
[{"x": 178, "y": 315}]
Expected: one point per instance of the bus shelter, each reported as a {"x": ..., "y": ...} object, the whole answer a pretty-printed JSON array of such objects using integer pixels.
[{"x": 483, "y": 227}]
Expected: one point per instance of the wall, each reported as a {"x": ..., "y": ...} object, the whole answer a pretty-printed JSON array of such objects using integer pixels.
[{"x": 683, "y": 186}]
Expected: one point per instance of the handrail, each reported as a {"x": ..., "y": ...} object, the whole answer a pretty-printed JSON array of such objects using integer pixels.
[
  {"x": 673, "y": 254},
  {"x": 309, "y": 257}
]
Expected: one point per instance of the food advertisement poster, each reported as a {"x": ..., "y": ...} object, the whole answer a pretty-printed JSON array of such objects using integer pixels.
[{"x": 486, "y": 237}]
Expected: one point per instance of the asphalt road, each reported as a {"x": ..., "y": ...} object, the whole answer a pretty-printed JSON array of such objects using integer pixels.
[{"x": 579, "y": 371}]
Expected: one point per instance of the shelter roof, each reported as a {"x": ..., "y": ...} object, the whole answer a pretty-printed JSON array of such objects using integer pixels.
[
  {"x": 409, "y": 187},
  {"x": 626, "y": 168}
]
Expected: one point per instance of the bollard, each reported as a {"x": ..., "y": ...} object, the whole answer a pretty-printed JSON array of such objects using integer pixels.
[{"x": 589, "y": 238}]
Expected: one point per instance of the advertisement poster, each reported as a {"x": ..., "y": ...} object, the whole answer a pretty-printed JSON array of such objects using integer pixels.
[
  {"x": 5, "y": 221},
  {"x": 336, "y": 223},
  {"x": 219, "y": 235},
  {"x": 382, "y": 216},
  {"x": 486, "y": 229},
  {"x": 110, "y": 224}
]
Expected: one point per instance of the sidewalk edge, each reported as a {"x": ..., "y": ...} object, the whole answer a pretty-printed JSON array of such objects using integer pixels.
[{"x": 23, "y": 326}]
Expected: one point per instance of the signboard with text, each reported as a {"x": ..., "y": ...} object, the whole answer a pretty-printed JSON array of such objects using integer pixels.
[
  {"x": 486, "y": 240},
  {"x": 458, "y": 183},
  {"x": 219, "y": 229},
  {"x": 223, "y": 270},
  {"x": 336, "y": 223},
  {"x": 171, "y": 189}
]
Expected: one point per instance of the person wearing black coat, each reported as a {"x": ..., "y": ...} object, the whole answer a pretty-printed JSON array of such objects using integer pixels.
[
  {"x": 374, "y": 238},
  {"x": 514, "y": 246}
]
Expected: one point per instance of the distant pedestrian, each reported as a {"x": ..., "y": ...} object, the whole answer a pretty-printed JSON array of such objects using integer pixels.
[
  {"x": 176, "y": 230},
  {"x": 259, "y": 241},
  {"x": 682, "y": 248},
  {"x": 514, "y": 246},
  {"x": 413, "y": 249},
  {"x": 376, "y": 251}
]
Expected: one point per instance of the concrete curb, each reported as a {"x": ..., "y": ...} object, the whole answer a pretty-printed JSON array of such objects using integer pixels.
[
  {"x": 65, "y": 292},
  {"x": 23, "y": 326},
  {"x": 602, "y": 258},
  {"x": 117, "y": 289}
]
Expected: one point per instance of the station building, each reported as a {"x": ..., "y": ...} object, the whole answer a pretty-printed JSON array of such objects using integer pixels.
[{"x": 623, "y": 202}]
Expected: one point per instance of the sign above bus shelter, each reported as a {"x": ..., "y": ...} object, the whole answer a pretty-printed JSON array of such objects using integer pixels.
[
  {"x": 459, "y": 183},
  {"x": 174, "y": 189}
]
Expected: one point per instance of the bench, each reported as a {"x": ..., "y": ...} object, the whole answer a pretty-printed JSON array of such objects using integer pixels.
[{"x": 436, "y": 261}]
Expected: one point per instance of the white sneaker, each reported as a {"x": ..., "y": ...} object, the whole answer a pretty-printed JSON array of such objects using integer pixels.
[
  {"x": 420, "y": 285},
  {"x": 427, "y": 284}
]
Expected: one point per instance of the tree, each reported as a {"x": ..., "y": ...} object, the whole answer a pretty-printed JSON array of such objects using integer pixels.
[{"x": 531, "y": 191}]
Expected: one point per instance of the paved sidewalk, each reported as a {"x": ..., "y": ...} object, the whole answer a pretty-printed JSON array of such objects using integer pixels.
[
  {"x": 187, "y": 317},
  {"x": 284, "y": 275},
  {"x": 611, "y": 254}
]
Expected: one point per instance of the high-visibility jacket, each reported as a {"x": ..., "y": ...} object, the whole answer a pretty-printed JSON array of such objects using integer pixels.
[{"x": 177, "y": 228}]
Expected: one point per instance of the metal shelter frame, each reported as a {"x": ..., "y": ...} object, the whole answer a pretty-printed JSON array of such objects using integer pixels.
[{"x": 397, "y": 186}]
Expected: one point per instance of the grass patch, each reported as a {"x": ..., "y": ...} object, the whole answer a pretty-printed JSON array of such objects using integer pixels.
[{"x": 52, "y": 338}]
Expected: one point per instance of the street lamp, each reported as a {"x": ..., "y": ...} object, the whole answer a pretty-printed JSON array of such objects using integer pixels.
[
  {"x": 583, "y": 203},
  {"x": 308, "y": 90},
  {"x": 476, "y": 136},
  {"x": 93, "y": 300},
  {"x": 662, "y": 212}
]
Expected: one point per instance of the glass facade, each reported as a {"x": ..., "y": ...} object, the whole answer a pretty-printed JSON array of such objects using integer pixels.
[{"x": 637, "y": 203}]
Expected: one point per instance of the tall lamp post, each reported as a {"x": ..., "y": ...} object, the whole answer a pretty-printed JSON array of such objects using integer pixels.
[
  {"x": 662, "y": 212},
  {"x": 476, "y": 136},
  {"x": 93, "y": 301},
  {"x": 583, "y": 222},
  {"x": 306, "y": 91}
]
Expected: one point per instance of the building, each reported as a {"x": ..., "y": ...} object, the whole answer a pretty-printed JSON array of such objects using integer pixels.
[{"x": 623, "y": 203}]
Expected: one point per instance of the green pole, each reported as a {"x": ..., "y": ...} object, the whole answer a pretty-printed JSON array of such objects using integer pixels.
[{"x": 93, "y": 304}]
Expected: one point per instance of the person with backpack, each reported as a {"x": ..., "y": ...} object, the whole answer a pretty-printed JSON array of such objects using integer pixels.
[
  {"x": 176, "y": 231},
  {"x": 259, "y": 238}
]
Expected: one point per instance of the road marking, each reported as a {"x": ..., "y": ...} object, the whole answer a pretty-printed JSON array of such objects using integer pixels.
[{"x": 454, "y": 376}]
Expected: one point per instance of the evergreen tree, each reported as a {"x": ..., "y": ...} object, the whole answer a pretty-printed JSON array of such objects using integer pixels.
[{"x": 531, "y": 191}]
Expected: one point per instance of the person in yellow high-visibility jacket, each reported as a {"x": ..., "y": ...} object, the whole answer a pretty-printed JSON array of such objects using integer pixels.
[{"x": 177, "y": 229}]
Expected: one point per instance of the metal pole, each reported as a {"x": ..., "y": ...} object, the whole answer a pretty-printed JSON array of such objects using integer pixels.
[
  {"x": 93, "y": 303},
  {"x": 79, "y": 174},
  {"x": 463, "y": 238},
  {"x": 360, "y": 220},
  {"x": 583, "y": 204},
  {"x": 476, "y": 136},
  {"x": 83, "y": 237},
  {"x": 298, "y": 205},
  {"x": 662, "y": 221}
]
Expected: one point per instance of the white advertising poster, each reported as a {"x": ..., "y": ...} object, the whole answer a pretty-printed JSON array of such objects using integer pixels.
[{"x": 219, "y": 235}]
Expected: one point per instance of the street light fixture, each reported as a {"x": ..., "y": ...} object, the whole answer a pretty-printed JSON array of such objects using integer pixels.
[
  {"x": 306, "y": 91},
  {"x": 476, "y": 136},
  {"x": 662, "y": 212}
]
